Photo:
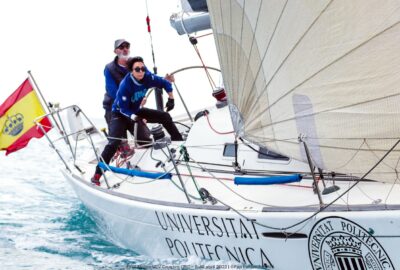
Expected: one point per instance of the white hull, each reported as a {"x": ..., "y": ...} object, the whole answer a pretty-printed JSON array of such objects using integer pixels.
[{"x": 163, "y": 229}]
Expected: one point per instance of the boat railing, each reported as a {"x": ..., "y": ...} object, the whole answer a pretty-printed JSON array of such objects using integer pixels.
[{"x": 79, "y": 127}]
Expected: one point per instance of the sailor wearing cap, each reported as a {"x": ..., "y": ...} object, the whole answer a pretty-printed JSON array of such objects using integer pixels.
[{"x": 114, "y": 72}]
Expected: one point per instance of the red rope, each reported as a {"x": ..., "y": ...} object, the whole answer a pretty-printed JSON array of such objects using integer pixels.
[
  {"x": 218, "y": 132},
  {"x": 120, "y": 159}
]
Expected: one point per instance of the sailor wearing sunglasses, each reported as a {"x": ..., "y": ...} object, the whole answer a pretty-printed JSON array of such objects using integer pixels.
[{"x": 128, "y": 106}]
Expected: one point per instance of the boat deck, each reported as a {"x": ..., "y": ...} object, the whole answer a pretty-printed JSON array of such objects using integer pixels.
[{"x": 278, "y": 197}]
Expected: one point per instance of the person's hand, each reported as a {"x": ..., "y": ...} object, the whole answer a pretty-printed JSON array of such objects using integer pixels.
[
  {"x": 133, "y": 117},
  {"x": 170, "y": 78},
  {"x": 170, "y": 104}
]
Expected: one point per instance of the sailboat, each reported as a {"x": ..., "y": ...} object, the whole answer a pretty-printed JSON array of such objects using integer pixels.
[{"x": 296, "y": 168}]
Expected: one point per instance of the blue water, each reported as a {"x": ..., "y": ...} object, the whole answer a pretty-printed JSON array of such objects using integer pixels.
[{"x": 43, "y": 225}]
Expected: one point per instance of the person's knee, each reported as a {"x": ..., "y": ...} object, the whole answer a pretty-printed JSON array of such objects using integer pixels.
[{"x": 165, "y": 118}]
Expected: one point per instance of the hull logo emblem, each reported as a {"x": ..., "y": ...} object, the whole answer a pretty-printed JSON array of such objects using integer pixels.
[{"x": 336, "y": 243}]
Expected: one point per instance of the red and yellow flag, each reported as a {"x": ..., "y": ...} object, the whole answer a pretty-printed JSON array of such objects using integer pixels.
[{"x": 16, "y": 118}]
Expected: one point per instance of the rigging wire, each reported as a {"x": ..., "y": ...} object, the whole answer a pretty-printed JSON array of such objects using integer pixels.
[
  {"x": 186, "y": 158},
  {"x": 396, "y": 181},
  {"x": 193, "y": 41},
  {"x": 392, "y": 187},
  {"x": 204, "y": 35}
]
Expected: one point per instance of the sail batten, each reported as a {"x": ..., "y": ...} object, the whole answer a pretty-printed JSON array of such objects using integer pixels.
[{"x": 325, "y": 71}]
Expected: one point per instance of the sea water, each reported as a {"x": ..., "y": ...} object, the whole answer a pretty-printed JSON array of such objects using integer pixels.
[{"x": 43, "y": 225}]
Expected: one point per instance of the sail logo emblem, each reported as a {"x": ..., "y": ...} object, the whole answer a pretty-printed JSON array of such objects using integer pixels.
[
  {"x": 336, "y": 243},
  {"x": 14, "y": 125}
]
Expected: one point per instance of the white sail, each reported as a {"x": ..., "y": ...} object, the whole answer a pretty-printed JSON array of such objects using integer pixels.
[{"x": 324, "y": 70}]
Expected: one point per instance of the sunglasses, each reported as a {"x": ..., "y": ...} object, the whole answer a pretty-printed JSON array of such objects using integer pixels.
[
  {"x": 138, "y": 69},
  {"x": 123, "y": 46}
]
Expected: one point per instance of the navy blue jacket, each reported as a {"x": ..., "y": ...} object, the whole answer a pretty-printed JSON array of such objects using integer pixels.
[
  {"x": 131, "y": 92},
  {"x": 113, "y": 74}
]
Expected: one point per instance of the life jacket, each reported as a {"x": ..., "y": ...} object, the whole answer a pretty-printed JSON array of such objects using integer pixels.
[{"x": 116, "y": 71}]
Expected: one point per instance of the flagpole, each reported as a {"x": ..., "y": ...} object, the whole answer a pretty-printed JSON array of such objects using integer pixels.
[
  {"x": 36, "y": 87},
  {"x": 38, "y": 90}
]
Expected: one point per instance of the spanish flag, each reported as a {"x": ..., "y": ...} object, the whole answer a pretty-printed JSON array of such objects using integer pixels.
[{"x": 16, "y": 119}]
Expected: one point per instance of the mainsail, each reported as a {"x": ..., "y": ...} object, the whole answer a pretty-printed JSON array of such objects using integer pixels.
[{"x": 325, "y": 71}]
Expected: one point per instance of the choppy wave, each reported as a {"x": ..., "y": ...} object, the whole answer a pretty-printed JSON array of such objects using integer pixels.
[{"x": 42, "y": 224}]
